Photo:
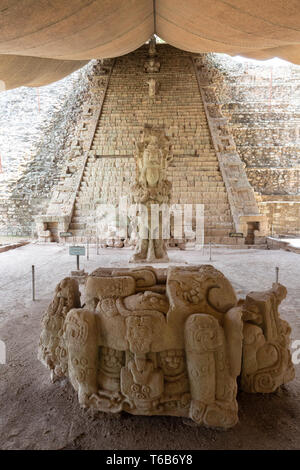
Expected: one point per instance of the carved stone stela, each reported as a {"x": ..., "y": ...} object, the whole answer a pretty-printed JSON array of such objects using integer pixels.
[
  {"x": 152, "y": 156},
  {"x": 166, "y": 342}
]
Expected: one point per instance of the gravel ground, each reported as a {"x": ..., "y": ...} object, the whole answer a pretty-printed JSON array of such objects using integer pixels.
[{"x": 35, "y": 414}]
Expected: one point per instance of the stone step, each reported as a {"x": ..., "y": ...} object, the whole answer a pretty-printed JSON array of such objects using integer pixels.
[
  {"x": 81, "y": 236},
  {"x": 76, "y": 226},
  {"x": 218, "y": 232},
  {"x": 222, "y": 240},
  {"x": 79, "y": 219},
  {"x": 195, "y": 169}
]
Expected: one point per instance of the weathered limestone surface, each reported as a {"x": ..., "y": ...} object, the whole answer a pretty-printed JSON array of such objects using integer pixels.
[
  {"x": 37, "y": 127},
  {"x": 59, "y": 212},
  {"x": 283, "y": 213},
  {"x": 262, "y": 119},
  {"x": 262, "y": 105},
  {"x": 266, "y": 358},
  {"x": 178, "y": 109},
  {"x": 243, "y": 205},
  {"x": 166, "y": 342}
]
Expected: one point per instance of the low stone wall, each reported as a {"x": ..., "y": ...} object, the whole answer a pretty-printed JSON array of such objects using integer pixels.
[
  {"x": 283, "y": 213},
  {"x": 12, "y": 246},
  {"x": 274, "y": 244}
]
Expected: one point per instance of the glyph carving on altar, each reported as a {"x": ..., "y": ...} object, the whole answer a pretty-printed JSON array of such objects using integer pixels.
[{"x": 166, "y": 342}]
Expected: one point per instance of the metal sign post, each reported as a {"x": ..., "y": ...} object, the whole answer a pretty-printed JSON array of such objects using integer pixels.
[
  {"x": 33, "y": 282},
  {"x": 277, "y": 274},
  {"x": 77, "y": 251},
  {"x": 65, "y": 235}
]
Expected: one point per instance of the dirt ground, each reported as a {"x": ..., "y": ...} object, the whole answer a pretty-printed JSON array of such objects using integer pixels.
[{"x": 36, "y": 414}]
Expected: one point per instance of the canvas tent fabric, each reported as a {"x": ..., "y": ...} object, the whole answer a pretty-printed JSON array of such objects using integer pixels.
[{"x": 44, "y": 40}]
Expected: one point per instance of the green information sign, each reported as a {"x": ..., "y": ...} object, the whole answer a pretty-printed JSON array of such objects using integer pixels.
[
  {"x": 77, "y": 250},
  {"x": 236, "y": 234}
]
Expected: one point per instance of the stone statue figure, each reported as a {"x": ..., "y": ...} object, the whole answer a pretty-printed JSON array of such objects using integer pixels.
[
  {"x": 151, "y": 66},
  {"x": 152, "y": 47},
  {"x": 151, "y": 190}
]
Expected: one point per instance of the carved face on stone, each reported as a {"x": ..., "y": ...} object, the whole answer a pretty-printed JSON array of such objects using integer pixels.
[
  {"x": 67, "y": 290},
  {"x": 172, "y": 362},
  {"x": 152, "y": 163},
  {"x": 139, "y": 333},
  {"x": 152, "y": 155},
  {"x": 63, "y": 288}
]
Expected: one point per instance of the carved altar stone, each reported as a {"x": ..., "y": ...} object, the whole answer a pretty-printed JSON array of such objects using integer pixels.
[
  {"x": 152, "y": 156},
  {"x": 166, "y": 342}
]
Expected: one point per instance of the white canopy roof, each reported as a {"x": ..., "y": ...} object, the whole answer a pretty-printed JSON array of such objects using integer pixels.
[{"x": 44, "y": 40}]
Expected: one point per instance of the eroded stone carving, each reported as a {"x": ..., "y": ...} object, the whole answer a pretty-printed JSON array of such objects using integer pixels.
[
  {"x": 52, "y": 350},
  {"x": 151, "y": 66},
  {"x": 166, "y": 342},
  {"x": 267, "y": 360},
  {"x": 152, "y": 47},
  {"x": 153, "y": 155},
  {"x": 153, "y": 87}
]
